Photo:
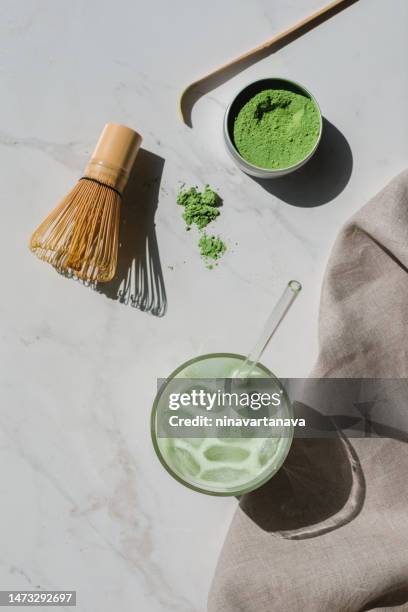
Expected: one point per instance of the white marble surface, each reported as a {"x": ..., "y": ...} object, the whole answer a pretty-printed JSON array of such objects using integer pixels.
[{"x": 85, "y": 504}]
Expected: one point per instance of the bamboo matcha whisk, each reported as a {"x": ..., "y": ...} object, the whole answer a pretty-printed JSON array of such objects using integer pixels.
[{"x": 81, "y": 235}]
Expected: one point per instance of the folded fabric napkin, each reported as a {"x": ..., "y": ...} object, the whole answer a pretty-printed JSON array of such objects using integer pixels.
[{"x": 329, "y": 533}]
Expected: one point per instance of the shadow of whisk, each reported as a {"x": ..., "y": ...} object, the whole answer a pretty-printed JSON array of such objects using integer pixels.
[{"x": 138, "y": 281}]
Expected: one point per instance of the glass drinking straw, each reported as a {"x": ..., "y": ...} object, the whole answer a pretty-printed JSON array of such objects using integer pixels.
[{"x": 276, "y": 317}]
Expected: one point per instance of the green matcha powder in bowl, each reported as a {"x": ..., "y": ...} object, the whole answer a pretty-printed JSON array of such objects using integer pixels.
[{"x": 272, "y": 127}]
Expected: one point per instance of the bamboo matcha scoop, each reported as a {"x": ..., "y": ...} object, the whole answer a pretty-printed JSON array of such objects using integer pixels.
[{"x": 198, "y": 88}]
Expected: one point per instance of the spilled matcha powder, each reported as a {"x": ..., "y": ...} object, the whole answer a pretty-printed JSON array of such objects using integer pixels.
[
  {"x": 277, "y": 128},
  {"x": 211, "y": 247},
  {"x": 200, "y": 208}
]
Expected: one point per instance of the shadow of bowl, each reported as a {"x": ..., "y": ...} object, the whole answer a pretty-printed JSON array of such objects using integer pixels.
[{"x": 323, "y": 177}]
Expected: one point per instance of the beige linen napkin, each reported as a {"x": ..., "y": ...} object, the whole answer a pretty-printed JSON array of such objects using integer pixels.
[{"x": 329, "y": 533}]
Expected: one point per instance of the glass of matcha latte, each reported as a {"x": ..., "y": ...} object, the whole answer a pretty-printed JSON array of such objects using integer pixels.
[{"x": 217, "y": 447}]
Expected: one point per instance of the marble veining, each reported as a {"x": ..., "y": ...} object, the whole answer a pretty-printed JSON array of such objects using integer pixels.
[{"x": 85, "y": 503}]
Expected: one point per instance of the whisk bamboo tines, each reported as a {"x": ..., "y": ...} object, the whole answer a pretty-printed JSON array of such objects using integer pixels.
[{"x": 80, "y": 236}]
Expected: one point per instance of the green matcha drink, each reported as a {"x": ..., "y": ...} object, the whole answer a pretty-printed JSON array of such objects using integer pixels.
[
  {"x": 221, "y": 466},
  {"x": 277, "y": 128}
]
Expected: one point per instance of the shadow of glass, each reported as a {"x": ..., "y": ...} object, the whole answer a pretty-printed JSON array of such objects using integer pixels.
[
  {"x": 320, "y": 487},
  {"x": 139, "y": 279},
  {"x": 322, "y": 179}
]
